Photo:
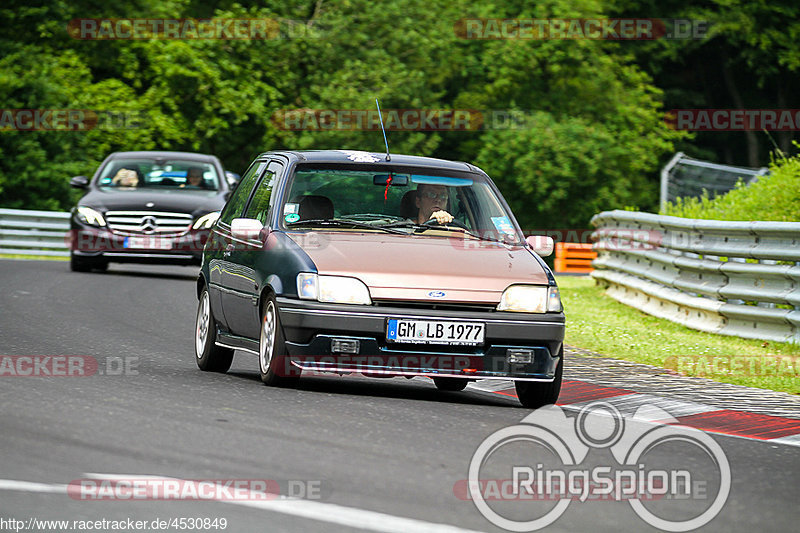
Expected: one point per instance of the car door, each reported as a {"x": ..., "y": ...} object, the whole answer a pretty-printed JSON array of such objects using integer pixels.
[
  {"x": 243, "y": 288},
  {"x": 218, "y": 250}
]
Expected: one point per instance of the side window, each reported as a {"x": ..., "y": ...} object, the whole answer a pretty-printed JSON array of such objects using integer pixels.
[
  {"x": 233, "y": 209},
  {"x": 262, "y": 198}
]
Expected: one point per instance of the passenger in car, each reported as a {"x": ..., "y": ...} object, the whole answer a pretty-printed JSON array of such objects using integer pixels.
[
  {"x": 432, "y": 202},
  {"x": 125, "y": 178}
]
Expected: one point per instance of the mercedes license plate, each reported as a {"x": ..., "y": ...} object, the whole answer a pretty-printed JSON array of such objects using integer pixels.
[{"x": 148, "y": 242}]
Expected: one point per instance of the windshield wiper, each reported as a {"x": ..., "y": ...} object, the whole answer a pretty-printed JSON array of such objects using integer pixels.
[
  {"x": 423, "y": 227},
  {"x": 343, "y": 223}
]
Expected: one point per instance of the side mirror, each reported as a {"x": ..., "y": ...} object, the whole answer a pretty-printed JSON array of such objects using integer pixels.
[
  {"x": 246, "y": 228},
  {"x": 541, "y": 244},
  {"x": 79, "y": 182},
  {"x": 232, "y": 178}
]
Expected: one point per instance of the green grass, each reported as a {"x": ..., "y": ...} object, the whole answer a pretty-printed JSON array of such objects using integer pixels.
[
  {"x": 35, "y": 257},
  {"x": 599, "y": 323}
]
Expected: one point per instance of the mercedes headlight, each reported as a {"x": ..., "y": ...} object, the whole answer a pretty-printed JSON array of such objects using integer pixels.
[
  {"x": 87, "y": 215},
  {"x": 206, "y": 221},
  {"x": 530, "y": 299},
  {"x": 332, "y": 289}
]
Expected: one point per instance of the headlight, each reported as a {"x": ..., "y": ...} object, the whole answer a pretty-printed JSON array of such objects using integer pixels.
[
  {"x": 530, "y": 299},
  {"x": 332, "y": 289},
  {"x": 89, "y": 216},
  {"x": 206, "y": 221}
]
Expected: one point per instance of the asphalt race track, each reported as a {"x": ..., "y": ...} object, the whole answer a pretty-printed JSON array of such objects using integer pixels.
[{"x": 376, "y": 455}]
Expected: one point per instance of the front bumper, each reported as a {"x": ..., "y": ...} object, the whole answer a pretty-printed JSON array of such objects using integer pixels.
[
  {"x": 310, "y": 328},
  {"x": 104, "y": 244}
]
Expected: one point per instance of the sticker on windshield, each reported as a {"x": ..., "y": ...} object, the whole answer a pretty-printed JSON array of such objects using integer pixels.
[
  {"x": 291, "y": 209},
  {"x": 503, "y": 225},
  {"x": 291, "y": 217},
  {"x": 360, "y": 157}
]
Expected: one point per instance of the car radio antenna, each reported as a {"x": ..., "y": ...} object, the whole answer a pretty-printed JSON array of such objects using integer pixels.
[{"x": 386, "y": 142}]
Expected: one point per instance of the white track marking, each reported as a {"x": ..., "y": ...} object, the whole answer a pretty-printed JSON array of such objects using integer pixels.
[
  {"x": 31, "y": 486},
  {"x": 312, "y": 510}
]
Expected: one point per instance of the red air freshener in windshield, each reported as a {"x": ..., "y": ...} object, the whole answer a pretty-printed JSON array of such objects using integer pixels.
[{"x": 386, "y": 192}]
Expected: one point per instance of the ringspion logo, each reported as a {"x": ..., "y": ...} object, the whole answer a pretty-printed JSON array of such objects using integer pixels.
[{"x": 518, "y": 472}]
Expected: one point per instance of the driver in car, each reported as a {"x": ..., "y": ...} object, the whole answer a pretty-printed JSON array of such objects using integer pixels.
[
  {"x": 125, "y": 178},
  {"x": 431, "y": 201},
  {"x": 194, "y": 178}
]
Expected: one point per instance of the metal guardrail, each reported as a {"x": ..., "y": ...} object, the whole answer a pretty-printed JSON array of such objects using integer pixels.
[
  {"x": 732, "y": 278},
  {"x": 34, "y": 232}
]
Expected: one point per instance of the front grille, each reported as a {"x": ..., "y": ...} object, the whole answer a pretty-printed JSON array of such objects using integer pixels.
[
  {"x": 430, "y": 306},
  {"x": 148, "y": 222}
]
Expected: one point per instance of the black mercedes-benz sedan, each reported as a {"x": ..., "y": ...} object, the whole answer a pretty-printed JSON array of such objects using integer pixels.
[{"x": 146, "y": 207}]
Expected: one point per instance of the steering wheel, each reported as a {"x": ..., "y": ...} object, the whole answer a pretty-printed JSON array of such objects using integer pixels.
[{"x": 454, "y": 222}]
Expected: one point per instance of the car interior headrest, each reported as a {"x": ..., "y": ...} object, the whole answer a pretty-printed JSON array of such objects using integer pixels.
[{"x": 314, "y": 207}]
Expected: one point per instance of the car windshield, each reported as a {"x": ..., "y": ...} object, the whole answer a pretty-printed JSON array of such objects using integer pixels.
[
  {"x": 395, "y": 201},
  {"x": 131, "y": 174}
]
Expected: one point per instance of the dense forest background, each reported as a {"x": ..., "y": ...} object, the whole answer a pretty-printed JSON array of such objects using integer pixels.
[{"x": 594, "y": 139}]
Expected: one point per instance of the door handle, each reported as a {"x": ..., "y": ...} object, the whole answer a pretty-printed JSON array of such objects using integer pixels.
[{"x": 228, "y": 250}]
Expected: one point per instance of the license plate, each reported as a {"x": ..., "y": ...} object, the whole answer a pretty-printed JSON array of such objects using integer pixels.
[
  {"x": 434, "y": 332},
  {"x": 148, "y": 242}
]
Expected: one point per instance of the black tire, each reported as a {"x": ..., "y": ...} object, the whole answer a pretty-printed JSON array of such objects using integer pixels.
[
  {"x": 86, "y": 264},
  {"x": 533, "y": 394},
  {"x": 208, "y": 355},
  {"x": 450, "y": 384},
  {"x": 273, "y": 363}
]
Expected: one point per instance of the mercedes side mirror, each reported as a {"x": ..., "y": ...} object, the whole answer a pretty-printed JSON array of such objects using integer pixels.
[{"x": 79, "y": 182}]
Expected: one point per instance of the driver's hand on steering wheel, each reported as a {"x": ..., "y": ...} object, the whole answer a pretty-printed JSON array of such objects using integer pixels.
[{"x": 441, "y": 217}]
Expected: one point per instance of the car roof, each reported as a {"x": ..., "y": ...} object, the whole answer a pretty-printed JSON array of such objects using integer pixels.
[
  {"x": 353, "y": 156},
  {"x": 164, "y": 155}
]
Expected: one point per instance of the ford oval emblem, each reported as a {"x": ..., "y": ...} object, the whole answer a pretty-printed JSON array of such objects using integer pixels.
[{"x": 437, "y": 294}]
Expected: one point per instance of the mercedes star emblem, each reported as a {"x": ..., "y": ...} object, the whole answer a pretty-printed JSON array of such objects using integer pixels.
[{"x": 149, "y": 224}]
